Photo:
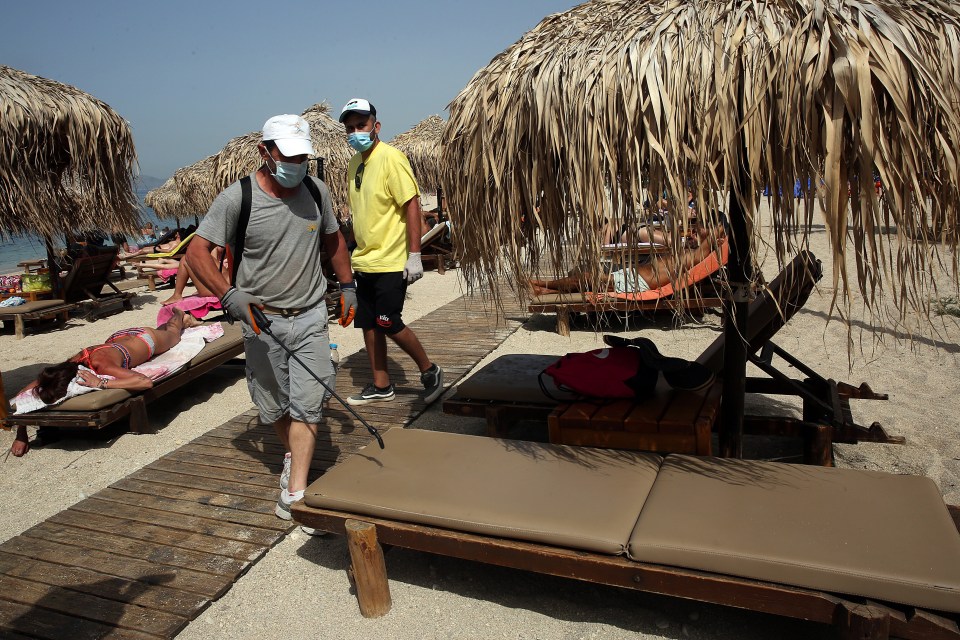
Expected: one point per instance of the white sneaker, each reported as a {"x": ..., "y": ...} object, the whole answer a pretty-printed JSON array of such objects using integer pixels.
[{"x": 285, "y": 474}]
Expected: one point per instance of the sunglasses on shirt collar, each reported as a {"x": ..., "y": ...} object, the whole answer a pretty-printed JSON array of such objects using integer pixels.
[{"x": 358, "y": 177}]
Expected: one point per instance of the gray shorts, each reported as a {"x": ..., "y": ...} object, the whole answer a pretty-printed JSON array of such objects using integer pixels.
[{"x": 279, "y": 384}]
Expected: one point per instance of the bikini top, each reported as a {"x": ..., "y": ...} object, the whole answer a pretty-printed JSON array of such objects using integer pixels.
[{"x": 84, "y": 357}]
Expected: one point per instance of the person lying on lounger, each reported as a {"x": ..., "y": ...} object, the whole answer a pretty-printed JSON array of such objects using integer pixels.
[
  {"x": 120, "y": 353},
  {"x": 699, "y": 242}
]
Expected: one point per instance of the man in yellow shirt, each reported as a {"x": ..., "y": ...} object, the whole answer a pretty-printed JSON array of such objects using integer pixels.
[{"x": 385, "y": 206}]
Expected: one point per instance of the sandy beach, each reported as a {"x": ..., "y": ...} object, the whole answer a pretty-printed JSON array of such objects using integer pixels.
[{"x": 300, "y": 588}]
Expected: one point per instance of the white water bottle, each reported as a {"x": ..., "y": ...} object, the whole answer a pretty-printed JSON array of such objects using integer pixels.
[
  {"x": 335, "y": 363},
  {"x": 334, "y": 357}
]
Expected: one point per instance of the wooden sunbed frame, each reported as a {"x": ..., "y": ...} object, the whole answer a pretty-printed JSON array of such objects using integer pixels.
[
  {"x": 435, "y": 252},
  {"x": 854, "y": 618},
  {"x": 135, "y": 407}
]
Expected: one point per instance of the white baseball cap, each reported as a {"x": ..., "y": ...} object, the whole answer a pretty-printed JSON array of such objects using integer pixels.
[
  {"x": 290, "y": 133},
  {"x": 358, "y": 105}
]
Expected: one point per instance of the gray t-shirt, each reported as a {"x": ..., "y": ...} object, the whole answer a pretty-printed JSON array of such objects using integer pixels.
[{"x": 281, "y": 256}]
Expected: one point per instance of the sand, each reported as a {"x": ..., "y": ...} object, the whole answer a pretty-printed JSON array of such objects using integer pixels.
[{"x": 300, "y": 588}]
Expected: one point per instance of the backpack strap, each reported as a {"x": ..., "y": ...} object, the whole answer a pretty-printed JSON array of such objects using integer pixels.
[
  {"x": 246, "y": 203},
  {"x": 315, "y": 192}
]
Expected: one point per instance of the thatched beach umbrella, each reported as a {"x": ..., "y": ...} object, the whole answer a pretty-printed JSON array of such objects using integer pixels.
[
  {"x": 66, "y": 160},
  {"x": 239, "y": 157},
  {"x": 421, "y": 145},
  {"x": 600, "y": 107},
  {"x": 167, "y": 201},
  {"x": 196, "y": 186}
]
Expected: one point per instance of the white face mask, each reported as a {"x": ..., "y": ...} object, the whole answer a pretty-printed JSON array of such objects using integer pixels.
[{"x": 288, "y": 174}]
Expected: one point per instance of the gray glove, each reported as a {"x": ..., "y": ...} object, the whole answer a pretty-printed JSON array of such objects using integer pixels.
[
  {"x": 348, "y": 304},
  {"x": 413, "y": 270},
  {"x": 237, "y": 304}
]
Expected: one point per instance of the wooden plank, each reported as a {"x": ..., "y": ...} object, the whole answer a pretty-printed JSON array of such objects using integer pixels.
[
  {"x": 153, "y": 533},
  {"x": 266, "y": 521},
  {"x": 90, "y": 607},
  {"x": 36, "y": 622},
  {"x": 200, "y": 496},
  {"x": 664, "y": 443},
  {"x": 206, "y": 526},
  {"x": 165, "y": 554},
  {"x": 646, "y": 415},
  {"x": 610, "y": 417},
  {"x": 237, "y": 476},
  {"x": 105, "y": 562},
  {"x": 205, "y": 483},
  {"x": 681, "y": 414},
  {"x": 152, "y": 596}
]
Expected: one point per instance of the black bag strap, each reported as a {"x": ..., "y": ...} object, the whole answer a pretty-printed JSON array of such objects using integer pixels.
[{"x": 246, "y": 203}]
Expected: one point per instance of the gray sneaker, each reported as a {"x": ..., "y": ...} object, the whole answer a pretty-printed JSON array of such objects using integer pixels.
[
  {"x": 432, "y": 380},
  {"x": 283, "y": 507},
  {"x": 371, "y": 393}
]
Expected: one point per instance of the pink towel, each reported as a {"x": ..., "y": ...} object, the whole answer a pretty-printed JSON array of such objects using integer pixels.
[
  {"x": 195, "y": 305},
  {"x": 166, "y": 274}
]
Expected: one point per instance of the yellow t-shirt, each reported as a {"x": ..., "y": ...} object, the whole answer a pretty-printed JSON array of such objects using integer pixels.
[{"x": 377, "y": 207}]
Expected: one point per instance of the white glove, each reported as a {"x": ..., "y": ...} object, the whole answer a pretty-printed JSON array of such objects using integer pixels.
[{"x": 413, "y": 270}]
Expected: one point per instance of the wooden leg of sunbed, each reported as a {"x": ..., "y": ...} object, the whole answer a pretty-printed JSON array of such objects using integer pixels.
[
  {"x": 18, "y": 325},
  {"x": 139, "y": 422},
  {"x": 369, "y": 569},
  {"x": 818, "y": 444},
  {"x": 563, "y": 321},
  {"x": 862, "y": 622}
]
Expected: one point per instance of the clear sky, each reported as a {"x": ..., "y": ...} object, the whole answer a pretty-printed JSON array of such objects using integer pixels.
[{"x": 189, "y": 76}]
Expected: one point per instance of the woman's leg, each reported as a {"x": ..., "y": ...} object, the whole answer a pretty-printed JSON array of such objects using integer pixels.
[
  {"x": 183, "y": 274},
  {"x": 168, "y": 334}
]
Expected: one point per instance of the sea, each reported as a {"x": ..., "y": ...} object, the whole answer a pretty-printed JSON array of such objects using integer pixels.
[{"x": 18, "y": 249}]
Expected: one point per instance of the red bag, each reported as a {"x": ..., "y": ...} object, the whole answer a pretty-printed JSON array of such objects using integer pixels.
[{"x": 614, "y": 372}]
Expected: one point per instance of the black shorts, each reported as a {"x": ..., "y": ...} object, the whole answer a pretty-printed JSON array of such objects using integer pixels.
[{"x": 380, "y": 301}]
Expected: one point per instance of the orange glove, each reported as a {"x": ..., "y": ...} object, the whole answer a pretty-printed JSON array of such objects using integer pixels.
[{"x": 348, "y": 304}]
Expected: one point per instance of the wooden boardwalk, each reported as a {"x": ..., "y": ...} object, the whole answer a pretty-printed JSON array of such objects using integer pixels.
[{"x": 146, "y": 555}]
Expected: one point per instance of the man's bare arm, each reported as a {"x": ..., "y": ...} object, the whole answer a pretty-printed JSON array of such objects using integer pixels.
[
  {"x": 200, "y": 259},
  {"x": 339, "y": 256},
  {"x": 414, "y": 220}
]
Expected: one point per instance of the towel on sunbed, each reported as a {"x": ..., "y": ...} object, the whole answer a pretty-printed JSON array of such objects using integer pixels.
[
  {"x": 14, "y": 301},
  {"x": 197, "y": 306},
  {"x": 157, "y": 368}
]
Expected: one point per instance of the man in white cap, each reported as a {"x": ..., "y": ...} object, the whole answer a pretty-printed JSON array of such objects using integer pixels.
[
  {"x": 277, "y": 268},
  {"x": 385, "y": 205}
]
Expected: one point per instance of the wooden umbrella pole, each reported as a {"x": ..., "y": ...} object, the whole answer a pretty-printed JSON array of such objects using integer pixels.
[{"x": 740, "y": 270}]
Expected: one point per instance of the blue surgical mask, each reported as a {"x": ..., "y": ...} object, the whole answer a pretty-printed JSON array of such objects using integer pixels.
[
  {"x": 360, "y": 140},
  {"x": 289, "y": 174}
]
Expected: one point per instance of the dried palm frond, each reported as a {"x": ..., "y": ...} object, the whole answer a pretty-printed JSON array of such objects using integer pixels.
[
  {"x": 240, "y": 157},
  {"x": 195, "y": 184},
  {"x": 167, "y": 201},
  {"x": 67, "y": 160},
  {"x": 612, "y": 103},
  {"x": 421, "y": 145}
]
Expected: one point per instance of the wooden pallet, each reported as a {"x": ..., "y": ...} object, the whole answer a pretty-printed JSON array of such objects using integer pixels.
[{"x": 149, "y": 553}]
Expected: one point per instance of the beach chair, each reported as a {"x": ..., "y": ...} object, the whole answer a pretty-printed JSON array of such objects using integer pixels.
[
  {"x": 804, "y": 542},
  {"x": 150, "y": 273},
  {"x": 696, "y": 295},
  {"x": 85, "y": 282},
  {"x": 436, "y": 250},
  {"x": 103, "y": 408},
  {"x": 39, "y": 310},
  {"x": 507, "y": 390}
]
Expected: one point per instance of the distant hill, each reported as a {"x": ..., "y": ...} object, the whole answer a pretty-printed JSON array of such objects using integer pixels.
[{"x": 146, "y": 183}]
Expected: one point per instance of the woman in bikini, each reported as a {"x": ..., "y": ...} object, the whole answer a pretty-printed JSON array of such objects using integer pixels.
[{"x": 120, "y": 353}]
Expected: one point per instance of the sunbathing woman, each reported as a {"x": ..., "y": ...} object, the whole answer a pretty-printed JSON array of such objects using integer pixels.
[
  {"x": 116, "y": 357},
  {"x": 698, "y": 241}
]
